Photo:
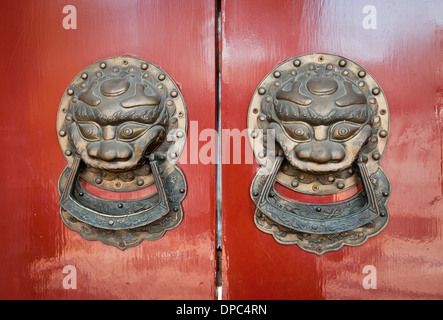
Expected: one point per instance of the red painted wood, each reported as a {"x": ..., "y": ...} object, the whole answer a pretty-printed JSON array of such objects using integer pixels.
[
  {"x": 404, "y": 54},
  {"x": 39, "y": 58}
]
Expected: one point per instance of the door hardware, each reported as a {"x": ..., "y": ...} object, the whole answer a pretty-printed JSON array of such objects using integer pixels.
[
  {"x": 329, "y": 120},
  {"x": 122, "y": 126}
]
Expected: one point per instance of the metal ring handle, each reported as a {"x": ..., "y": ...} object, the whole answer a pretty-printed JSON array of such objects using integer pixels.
[
  {"x": 112, "y": 222},
  {"x": 285, "y": 216}
]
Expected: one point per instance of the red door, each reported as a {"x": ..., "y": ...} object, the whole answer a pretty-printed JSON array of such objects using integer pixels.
[
  {"x": 400, "y": 44},
  {"x": 45, "y": 45},
  {"x": 40, "y": 58}
]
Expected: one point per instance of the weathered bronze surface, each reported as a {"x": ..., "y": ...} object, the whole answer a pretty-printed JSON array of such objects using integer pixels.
[
  {"x": 122, "y": 126},
  {"x": 318, "y": 125}
]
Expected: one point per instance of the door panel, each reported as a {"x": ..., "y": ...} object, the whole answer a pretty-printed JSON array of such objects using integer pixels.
[
  {"x": 40, "y": 58},
  {"x": 404, "y": 56}
]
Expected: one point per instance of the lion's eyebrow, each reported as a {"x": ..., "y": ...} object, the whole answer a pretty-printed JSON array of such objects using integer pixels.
[
  {"x": 288, "y": 111},
  {"x": 144, "y": 114}
]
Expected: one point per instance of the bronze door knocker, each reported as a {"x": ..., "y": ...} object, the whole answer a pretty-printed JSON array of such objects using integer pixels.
[
  {"x": 122, "y": 126},
  {"x": 329, "y": 120}
]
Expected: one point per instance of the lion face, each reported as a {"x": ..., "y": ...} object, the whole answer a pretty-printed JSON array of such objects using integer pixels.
[
  {"x": 117, "y": 121},
  {"x": 322, "y": 121}
]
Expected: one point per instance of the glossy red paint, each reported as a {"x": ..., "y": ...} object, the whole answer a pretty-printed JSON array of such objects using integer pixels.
[
  {"x": 404, "y": 54},
  {"x": 39, "y": 58}
]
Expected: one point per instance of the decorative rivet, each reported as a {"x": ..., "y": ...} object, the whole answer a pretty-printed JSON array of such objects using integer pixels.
[
  {"x": 144, "y": 66},
  {"x": 361, "y": 83},
  {"x": 102, "y": 65},
  {"x": 375, "y": 91},
  {"x": 179, "y": 134},
  {"x": 385, "y": 194},
  {"x": 331, "y": 179},
  {"x": 262, "y": 117},
  {"x": 382, "y": 214},
  {"x": 120, "y": 205},
  {"x": 294, "y": 183},
  {"x": 383, "y": 112},
  {"x": 174, "y": 93},
  {"x": 340, "y": 185},
  {"x": 372, "y": 101},
  {"x": 297, "y": 62},
  {"x": 261, "y": 154},
  {"x": 145, "y": 75},
  {"x": 374, "y": 139},
  {"x": 117, "y": 184},
  {"x": 62, "y": 133},
  {"x": 70, "y": 92},
  {"x": 342, "y": 63},
  {"x": 254, "y": 134},
  {"x": 262, "y": 91},
  {"x": 81, "y": 194},
  {"x": 121, "y": 244},
  {"x": 140, "y": 182},
  {"x": 361, "y": 73},
  {"x": 272, "y": 194},
  {"x": 175, "y": 209},
  {"x": 98, "y": 180},
  {"x": 182, "y": 190},
  {"x": 318, "y": 209},
  {"x": 293, "y": 72},
  {"x": 277, "y": 84},
  {"x": 329, "y": 67},
  {"x": 383, "y": 133},
  {"x": 84, "y": 75},
  {"x": 315, "y": 187},
  {"x": 376, "y": 155},
  {"x": 169, "y": 103},
  {"x": 376, "y": 119},
  {"x": 277, "y": 74},
  {"x": 255, "y": 193},
  {"x": 161, "y": 77},
  {"x": 321, "y": 59},
  {"x": 346, "y": 73},
  {"x": 68, "y": 152},
  {"x": 110, "y": 222}
]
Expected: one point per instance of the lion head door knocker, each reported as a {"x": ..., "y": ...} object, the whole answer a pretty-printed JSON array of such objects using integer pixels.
[
  {"x": 122, "y": 125},
  {"x": 328, "y": 120}
]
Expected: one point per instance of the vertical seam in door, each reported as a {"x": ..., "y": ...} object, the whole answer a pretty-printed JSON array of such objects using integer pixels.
[{"x": 218, "y": 187}]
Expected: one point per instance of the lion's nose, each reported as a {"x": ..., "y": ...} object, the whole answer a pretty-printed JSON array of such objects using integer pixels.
[
  {"x": 109, "y": 151},
  {"x": 320, "y": 152}
]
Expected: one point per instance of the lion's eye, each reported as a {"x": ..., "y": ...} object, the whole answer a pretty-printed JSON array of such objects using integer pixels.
[
  {"x": 131, "y": 131},
  {"x": 89, "y": 130},
  {"x": 343, "y": 130},
  {"x": 299, "y": 131}
]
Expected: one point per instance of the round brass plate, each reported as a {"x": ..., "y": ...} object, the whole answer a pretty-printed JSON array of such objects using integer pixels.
[
  {"x": 137, "y": 73},
  {"x": 299, "y": 70}
]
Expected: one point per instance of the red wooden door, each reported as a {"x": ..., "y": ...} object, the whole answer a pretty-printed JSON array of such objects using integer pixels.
[
  {"x": 402, "y": 48},
  {"x": 39, "y": 59}
]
